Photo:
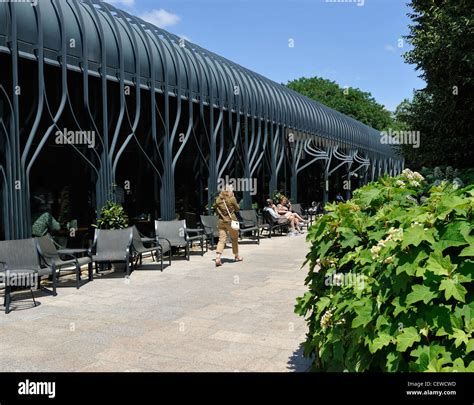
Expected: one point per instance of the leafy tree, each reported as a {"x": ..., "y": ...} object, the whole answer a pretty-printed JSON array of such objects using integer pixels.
[
  {"x": 350, "y": 101},
  {"x": 442, "y": 36}
]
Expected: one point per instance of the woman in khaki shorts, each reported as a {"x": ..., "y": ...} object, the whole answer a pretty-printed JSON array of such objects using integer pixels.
[{"x": 226, "y": 207}]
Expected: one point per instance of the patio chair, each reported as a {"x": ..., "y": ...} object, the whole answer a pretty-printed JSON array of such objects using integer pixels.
[
  {"x": 315, "y": 211},
  {"x": 112, "y": 246},
  {"x": 49, "y": 255},
  {"x": 273, "y": 224},
  {"x": 159, "y": 247},
  {"x": 17, "y": 278},
  {"x": 210, "y": 224},
  {"x": 179, "y": 236},
  {"x": 249, "y": 224},
  {"x": 21, "y": 257}
]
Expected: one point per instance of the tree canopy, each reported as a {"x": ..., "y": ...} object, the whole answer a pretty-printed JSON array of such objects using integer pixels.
[
  {"x": 350, "y": 101},
  {"x": 442, "y": 39}
]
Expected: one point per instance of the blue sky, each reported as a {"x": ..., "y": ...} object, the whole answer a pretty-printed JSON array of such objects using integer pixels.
[{"x": 353, "y": 43}]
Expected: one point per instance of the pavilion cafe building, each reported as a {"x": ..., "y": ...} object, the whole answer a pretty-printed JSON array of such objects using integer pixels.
[{"x": 97, "y": 104}]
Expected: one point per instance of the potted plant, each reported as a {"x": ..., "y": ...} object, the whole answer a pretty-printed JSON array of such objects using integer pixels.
[{"x": 112, "y": 216}]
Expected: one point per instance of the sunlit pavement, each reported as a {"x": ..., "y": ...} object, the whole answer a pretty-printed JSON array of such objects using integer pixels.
[{"x": 190, "y": 317}]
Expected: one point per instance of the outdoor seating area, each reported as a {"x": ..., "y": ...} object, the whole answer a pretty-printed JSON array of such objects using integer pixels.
[
  {"x": 188, "y": 318},
  {"x": 47, "y": 260}
]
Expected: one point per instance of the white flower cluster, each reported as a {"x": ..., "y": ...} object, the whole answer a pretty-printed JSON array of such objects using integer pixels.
[
  {"x": 414, "y": 178},
  {"x": 375, "y": 250},
  {"x": 326, "y": 319},
  {"x": 388, "y": 260},
  {"x": 395, "y": 234},
  {"x": 400, "y": 183}
]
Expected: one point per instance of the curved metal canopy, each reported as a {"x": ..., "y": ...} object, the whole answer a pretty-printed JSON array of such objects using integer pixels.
[{"x": 186, "y": 68}]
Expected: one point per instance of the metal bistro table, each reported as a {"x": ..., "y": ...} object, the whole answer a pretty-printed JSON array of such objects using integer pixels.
[{"x": 18, "y": 278}]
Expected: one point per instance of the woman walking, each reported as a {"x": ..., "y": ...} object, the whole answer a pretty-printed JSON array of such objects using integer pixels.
[{"x": 226, "y": 207}]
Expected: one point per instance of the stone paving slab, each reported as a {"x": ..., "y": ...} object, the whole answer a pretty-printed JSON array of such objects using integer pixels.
[{"x": 190, "y": 317}]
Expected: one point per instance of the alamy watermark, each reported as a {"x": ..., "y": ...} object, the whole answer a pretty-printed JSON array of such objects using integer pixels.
[
  {"x": 239, "y": 184},
  {"x": 66, "y": 137},
  {"x": 392, "y": 137},
  {"x": 359, "y": 3},
  {"x": 346, "y": 279},
  {"x": 42, "y": 388},
  {"x": 33, "y": 3},
  {"x": 19, "y": 279}
]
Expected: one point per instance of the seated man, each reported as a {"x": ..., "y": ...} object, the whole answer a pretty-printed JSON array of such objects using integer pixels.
[{"x": 280, "y": 219}]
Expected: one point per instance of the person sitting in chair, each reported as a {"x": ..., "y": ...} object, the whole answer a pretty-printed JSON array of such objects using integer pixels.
[
  {"x": 283, "y": 210},
  {"x": 43, "y": 220},
  {"x": 285, "y": 207},
  {"x": 280, "y": 219}
]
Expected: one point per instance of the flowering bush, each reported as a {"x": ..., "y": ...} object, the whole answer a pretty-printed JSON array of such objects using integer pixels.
[{"x": 414, "y": 250}]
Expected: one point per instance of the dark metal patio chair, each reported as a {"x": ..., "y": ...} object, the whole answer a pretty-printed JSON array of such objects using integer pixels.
[
  {"x": 158, "y": 248},
  {"x": 274, "y": 224},
  {"x": 21, "y": 257},
  {"x": 249, "y": 224},
  {"x": 112, "y": 246},
  {"x": 179, "y": 236},
  {"x": 210, "y": 224},
  {"x": 49, "y": 255},
  {"x": 16, "y": 278}
]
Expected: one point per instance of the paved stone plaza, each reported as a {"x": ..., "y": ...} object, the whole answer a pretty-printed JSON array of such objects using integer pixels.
[{"x": 190, "y": 317}]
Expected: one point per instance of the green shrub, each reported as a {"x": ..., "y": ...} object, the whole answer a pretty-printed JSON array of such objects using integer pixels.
[
  {"x": 112, "y": 216},
  {"x": 390, "y": 280}
]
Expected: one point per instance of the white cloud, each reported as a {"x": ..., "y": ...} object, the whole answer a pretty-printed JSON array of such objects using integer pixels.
[
  {"x": 126, "y": 3},
  {"x": 161, "y": 18},
  {"x": 389, "y": 48}
]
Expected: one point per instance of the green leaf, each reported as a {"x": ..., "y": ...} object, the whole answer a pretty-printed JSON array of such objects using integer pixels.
[
  {"x": 324, "y": 247},
  {"x": 407, "y": 338},
  {"x": 364, "y": 315},
  {"x": 415, "y": 235},
  {"x": 458, "y": 365},
  {"x": 430, "y": 358},
  {"x": 350, "y": 239},
  {"x": 399, "y": 306},
  {"x": 448, "y": 203},
  {"x": 420, "y": 293},
  {"x": 453, "y": 288},
  {"x": 467, "y": 251},
  {"x": 410, "y": 261},
  {"x": 439, "y": 265},
  {"x": 452, "y": 235},
  {"x": 470, "y": 346},
  {"x": 369, "y": 196},
  {"x": 382, "y": 339},
  {"x": 460, "y": 337},
  {"x": 393, "y": 361}
]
